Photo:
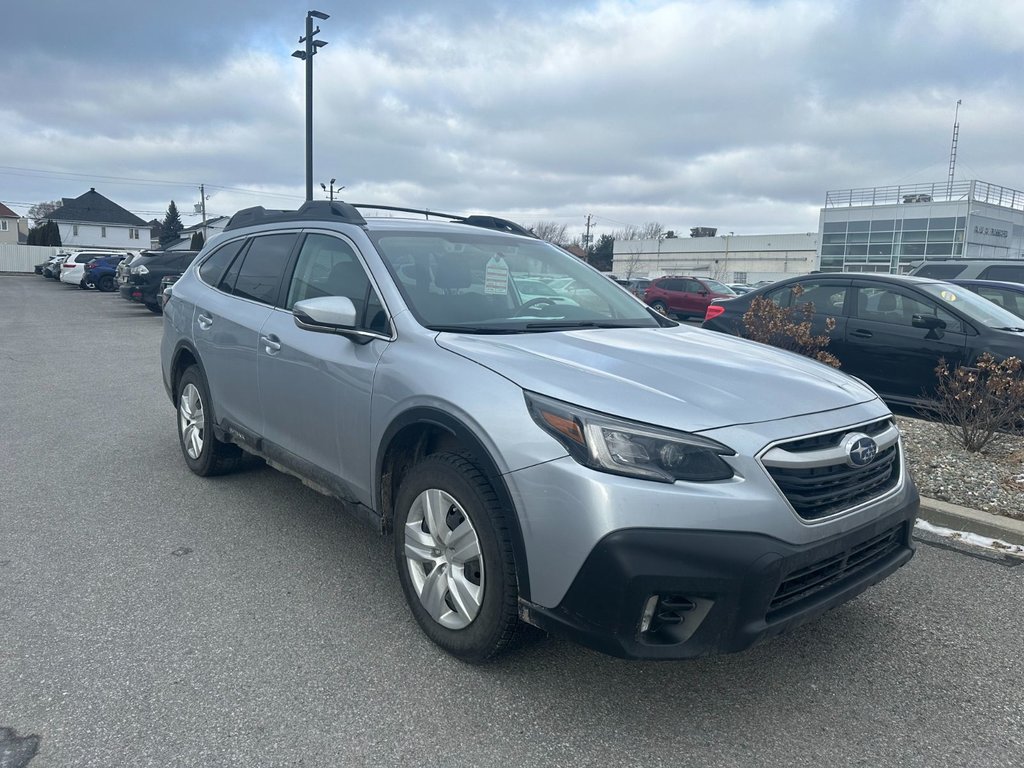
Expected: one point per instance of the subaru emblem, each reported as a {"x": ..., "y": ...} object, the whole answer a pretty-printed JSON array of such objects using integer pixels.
[{"x": 860, "y": 450}]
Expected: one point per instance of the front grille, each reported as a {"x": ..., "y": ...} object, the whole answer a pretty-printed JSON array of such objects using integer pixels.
[
  {"x": 816, "y": 479},
  {"x": 802, "y": 584}
]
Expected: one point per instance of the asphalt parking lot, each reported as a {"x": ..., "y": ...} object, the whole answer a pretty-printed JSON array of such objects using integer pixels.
[{"x": 149, "y": 617}]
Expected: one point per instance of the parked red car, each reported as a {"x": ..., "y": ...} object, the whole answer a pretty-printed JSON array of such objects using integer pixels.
[{"x": 684, "y": 296}]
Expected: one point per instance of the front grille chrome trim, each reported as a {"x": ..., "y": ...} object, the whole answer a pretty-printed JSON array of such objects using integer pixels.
[{"x": 781, "y": 457}]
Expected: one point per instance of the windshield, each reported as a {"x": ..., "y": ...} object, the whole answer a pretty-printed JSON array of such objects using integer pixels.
[
  {"x": 479, "y": 282},
  {"x": 718, "y": 287},
  {"x": 974, "y": 306}
]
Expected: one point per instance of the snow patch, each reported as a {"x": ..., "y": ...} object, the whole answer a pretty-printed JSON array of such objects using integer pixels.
[{"x": 986, "y": 542}]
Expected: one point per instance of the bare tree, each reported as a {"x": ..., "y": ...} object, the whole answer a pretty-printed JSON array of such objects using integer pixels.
[
  {"x": 652, "y": 230},
  {"x": 40, "y": 211},
  {"x": 552, "y": 232}
]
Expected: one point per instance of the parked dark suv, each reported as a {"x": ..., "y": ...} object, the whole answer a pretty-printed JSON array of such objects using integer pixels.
[
  {"x": 685, "y": 297},
  {"x": 142, "y": 281}
]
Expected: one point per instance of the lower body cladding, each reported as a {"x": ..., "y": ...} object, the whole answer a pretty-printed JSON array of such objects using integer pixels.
[{"x": 674, "y": 594}]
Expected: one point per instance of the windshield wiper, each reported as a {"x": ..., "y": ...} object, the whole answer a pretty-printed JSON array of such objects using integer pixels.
[
  {"x": 565, "y": 325},
  {"x": 473, "y": 329}
]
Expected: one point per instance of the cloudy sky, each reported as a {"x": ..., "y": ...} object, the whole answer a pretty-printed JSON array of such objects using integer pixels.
[{"x": 736, "y": 114}]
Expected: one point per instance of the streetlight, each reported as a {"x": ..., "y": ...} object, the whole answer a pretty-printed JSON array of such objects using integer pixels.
[
  {"x": 332, "y": 190},
  {"x": 307, "y": 56}
]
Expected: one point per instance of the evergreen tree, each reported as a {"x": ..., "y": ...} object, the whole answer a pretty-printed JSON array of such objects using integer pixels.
[
  {"x": 601, "y": 254},
  {"x": 51, "y": 233},
  {"x": 171, "y": 227},
  {"x": 197, "y": 241}
]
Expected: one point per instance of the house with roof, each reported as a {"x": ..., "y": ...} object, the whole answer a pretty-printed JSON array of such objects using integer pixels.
[
  {"x": 11, "y": 227},
  {"x": 94, "y": 221},
  {"x": 213, "y": 226}
]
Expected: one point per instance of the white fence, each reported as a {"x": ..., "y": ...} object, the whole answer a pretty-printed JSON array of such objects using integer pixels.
[{"x": 23, "y": 258}]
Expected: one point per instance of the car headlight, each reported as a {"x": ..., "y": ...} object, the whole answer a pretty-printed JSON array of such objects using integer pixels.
[
  {"x": 622, "y": 447},
  {"x": 140, "y": 270}
]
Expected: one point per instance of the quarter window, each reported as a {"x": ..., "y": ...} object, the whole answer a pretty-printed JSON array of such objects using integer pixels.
[{"x": 212, "y": 270}]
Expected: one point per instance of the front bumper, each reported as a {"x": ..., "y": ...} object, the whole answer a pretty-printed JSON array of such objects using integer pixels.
[{"x": 718, "y": 591}]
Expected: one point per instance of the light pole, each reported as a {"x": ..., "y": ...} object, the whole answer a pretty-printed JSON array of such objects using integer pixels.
[
  {"x": 307, "y": 56},
  {"x": 332, "y": 189}
]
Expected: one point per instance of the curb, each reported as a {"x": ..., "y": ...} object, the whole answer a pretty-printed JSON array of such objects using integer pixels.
[{"x": 972, "y": 521}]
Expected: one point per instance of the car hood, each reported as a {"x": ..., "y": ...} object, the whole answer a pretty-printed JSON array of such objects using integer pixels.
[{"x": 683, "y": 378}]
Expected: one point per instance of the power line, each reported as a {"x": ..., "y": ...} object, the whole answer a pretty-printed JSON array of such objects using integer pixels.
[{"x": 9, "y": 170}]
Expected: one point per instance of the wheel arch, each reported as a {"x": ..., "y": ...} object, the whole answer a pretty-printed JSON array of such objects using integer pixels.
[{"x": 422, "y": 431}]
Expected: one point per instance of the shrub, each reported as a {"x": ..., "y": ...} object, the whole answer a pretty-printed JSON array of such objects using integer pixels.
[
  {"x": 781, "y": 327},
  {"x": 978, "y": 404}
]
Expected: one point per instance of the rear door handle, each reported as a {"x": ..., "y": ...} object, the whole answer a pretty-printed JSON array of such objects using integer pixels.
[
  {"x": 861, "y": 333},
  {"x": 271, "y": 344},
  {"x": 204, "y": 321}
]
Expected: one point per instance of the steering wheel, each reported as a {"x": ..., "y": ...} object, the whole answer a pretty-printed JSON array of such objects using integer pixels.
[{"x": 538, "y": 302}]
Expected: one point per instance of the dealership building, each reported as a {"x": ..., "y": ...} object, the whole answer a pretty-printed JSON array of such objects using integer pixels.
[
  {"x": 887, "y": 229},
  {"x": 875, "y": 229}
]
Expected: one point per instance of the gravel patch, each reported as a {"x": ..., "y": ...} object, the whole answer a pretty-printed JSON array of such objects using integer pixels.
[{"x": 991, "y": 480}]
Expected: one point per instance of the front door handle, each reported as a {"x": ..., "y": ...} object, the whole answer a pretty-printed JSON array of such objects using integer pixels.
[
  {"x": 204, "y": 321},
  {"x": 861, "y": 333},
  {"x": 271, "y": 344}
]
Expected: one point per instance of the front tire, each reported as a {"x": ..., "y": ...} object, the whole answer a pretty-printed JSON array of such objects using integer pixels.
[
  {"x": 454, "y": 556},
  {"x": 203, "y": 452},
  {"x": 106, "y": 283}
]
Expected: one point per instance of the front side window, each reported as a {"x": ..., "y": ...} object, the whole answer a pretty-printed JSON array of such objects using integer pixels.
[
  {"x": 896, "y": 306},
  {"x": 263, "y": 265},
  {"x": 482, "y": 282},
  {"x": 1011, "y": 273},
  {"x": 329, "y": 266}
]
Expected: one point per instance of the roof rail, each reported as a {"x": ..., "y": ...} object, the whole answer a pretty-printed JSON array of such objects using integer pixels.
[
  {"x": 313, "y": 210},
  {"x": 476, "y": 220}
]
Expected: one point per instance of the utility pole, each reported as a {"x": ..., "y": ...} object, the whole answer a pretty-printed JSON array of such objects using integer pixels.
[
  {"x": 307, "y": 56},
  {"x": 586, "y": 237},
  {"x": 202, "y": 202}
]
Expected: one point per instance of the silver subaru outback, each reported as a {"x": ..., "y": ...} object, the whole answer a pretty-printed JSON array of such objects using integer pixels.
[{"x": 541, "y": 446}]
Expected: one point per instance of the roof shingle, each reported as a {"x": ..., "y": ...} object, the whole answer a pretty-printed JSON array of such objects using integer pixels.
[{"x": 94, "y": 208}]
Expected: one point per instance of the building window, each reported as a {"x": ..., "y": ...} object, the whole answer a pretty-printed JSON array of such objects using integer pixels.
[
  {"x": 103, "y": 231},
  {"x": 739, "y": 277},
  {"x": 3, "y": 225},
  {"x": 74, "y": 230},
  {"x": 133, "y": 233}
]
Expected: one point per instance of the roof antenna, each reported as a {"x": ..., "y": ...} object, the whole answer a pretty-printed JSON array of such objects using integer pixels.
[{"x": 952, "y": 151}]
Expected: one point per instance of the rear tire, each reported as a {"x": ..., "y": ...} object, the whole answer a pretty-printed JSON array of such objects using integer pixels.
[
  {"x": 454, "y": 556},
  {"x": 203, "y": 452}
]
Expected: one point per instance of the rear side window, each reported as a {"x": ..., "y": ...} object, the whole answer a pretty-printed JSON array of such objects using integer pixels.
[
  {"x": 212, "y": 270},
  {"x": 940, "y": 271},
  {"x": 1010, "y": 273},
  {"x": 263, "y": 266}
]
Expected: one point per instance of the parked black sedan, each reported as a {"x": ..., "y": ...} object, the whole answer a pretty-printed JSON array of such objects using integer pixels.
[{"x": 890, "y": 330}]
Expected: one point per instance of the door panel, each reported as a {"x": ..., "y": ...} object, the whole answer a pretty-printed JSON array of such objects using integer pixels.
[{"x": 884, "y": 348}]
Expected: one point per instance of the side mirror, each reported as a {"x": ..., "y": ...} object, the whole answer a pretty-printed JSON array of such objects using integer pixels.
[
  {"x": 928, "y": 322},
  {"x": 325, "y": 314}
]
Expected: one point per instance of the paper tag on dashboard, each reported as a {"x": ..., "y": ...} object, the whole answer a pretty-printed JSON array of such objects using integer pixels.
[{"x": 496, "y": 276}]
